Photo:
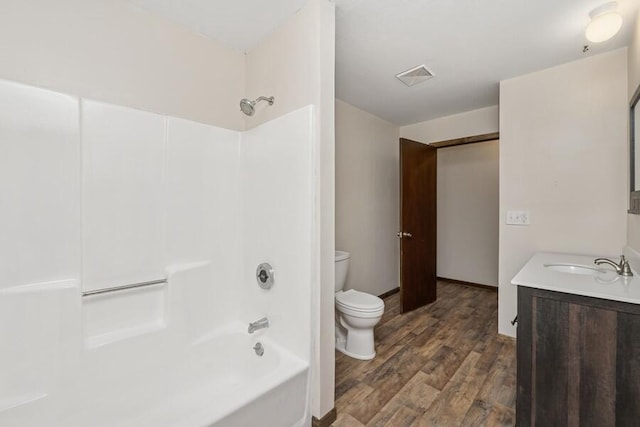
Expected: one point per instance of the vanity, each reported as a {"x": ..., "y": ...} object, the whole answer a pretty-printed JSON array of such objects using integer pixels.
[{"x": 578, "y": 346}]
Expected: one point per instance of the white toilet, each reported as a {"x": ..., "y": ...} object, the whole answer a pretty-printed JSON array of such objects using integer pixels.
[{"x": 356, "y": 315}]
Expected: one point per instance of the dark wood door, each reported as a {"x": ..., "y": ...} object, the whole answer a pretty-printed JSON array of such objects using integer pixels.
[{"x": 418, "y": 177}]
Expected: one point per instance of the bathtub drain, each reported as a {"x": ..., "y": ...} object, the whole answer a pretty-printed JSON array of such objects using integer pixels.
[{"x": 259, "y": 349}]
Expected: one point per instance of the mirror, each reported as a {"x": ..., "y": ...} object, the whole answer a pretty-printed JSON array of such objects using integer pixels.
[{"x": 634, "y": 153}]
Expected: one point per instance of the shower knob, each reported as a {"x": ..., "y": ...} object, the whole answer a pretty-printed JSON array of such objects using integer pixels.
[{"x": 264, "y": 275}]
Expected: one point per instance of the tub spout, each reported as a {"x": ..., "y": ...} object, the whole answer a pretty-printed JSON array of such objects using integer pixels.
[{"x": 258, "y": 324}]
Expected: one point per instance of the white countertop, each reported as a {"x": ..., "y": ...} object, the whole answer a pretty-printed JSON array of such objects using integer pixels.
[{"x": 608, "y": 284}]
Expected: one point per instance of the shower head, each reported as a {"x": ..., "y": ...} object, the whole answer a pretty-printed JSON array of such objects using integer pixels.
[{"x": 249, "y": 107}]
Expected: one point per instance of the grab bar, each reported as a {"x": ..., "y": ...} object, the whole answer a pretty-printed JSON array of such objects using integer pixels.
[{"x": 123, "y": 287}]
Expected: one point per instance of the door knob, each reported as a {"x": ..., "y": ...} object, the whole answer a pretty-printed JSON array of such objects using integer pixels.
[{"x": 402, "y": 234}]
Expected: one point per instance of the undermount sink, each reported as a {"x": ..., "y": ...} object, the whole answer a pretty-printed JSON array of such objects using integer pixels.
[{"x": 575, "y": 269}]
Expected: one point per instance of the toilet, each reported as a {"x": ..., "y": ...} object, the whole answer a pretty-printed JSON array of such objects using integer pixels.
[{"x": 356, "y": 315}]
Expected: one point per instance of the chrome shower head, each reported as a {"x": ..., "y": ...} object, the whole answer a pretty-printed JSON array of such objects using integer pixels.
[{"x": 249, "y": 107}]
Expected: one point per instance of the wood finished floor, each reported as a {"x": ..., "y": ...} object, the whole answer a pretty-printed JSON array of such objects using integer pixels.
[{"x": 440, "y": 365}]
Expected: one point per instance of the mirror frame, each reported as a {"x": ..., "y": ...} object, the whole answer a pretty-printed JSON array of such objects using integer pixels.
[{"x": 634, "y": 199}]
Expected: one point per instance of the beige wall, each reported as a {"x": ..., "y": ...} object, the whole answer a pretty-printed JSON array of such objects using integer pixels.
[
  {"x": 468, "y": 201},
  {"x": 296, "y": 65},
  {"x": 633, "y": 221},
  {"x": 475, "y": 122},
  {"x": 286, "y": 65},
  {"x": 367, "y": 198},
  {"x": 112, "y": 51},
  {"x": 563, "y": 145}
]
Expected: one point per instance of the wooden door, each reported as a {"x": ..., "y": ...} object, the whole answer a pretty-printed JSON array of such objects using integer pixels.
[{"x": 418, "y": 167}]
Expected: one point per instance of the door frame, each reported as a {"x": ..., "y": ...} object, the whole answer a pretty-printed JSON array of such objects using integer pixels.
[{"x": 439, "y": 144}]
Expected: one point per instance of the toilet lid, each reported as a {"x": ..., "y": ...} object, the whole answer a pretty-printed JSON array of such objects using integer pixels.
[{"x": 360, "y": 301}]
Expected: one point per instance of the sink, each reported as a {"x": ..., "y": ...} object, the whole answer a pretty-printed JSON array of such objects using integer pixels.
[{"x": 576, "y": 269}]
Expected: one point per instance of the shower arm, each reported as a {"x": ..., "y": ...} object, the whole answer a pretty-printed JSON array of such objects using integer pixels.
[{"x": 269, "y": 99}]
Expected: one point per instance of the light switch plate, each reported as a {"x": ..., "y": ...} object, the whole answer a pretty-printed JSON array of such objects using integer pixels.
[{"x": 518, "y": 218}]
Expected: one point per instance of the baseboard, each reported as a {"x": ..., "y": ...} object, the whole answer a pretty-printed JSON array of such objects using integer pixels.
[
  {"x": 475, "y": 285},
  {"x": 444, "y": 279},
  {"x": 506, "y": 338},
  {"x": 325, "y": 421},
  {"x": 389, "y": 293}
]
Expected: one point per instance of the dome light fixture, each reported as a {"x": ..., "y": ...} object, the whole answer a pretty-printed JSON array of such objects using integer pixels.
[{"x": 605, "y": 23}]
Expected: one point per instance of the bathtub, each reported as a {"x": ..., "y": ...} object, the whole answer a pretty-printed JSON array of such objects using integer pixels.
[
  {"x": 217, "y": 380},
  {"x": 224, "y": 383}
]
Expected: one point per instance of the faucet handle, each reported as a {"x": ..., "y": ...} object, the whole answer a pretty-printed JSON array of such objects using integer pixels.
[{"x": 625, "y": 267}]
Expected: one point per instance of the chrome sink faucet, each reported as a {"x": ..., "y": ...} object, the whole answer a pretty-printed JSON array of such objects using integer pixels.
[
  {"x": 622, "y": 268},
  {"x": 258, "y": 324}
]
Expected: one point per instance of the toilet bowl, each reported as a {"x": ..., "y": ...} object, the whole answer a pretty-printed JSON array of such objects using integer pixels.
[{"x": 356, "y": 315}]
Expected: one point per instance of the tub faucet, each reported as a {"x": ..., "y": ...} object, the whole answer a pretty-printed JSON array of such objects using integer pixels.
[
  {"x": 622, "y": 268},
  {"x": 258, "y": 324}
]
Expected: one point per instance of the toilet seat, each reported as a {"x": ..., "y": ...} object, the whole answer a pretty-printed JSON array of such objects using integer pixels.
[{"x": 359, "y": 304}]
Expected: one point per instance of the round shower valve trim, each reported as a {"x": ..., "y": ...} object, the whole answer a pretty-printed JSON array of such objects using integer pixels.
[{"x": 264, "y": 275}]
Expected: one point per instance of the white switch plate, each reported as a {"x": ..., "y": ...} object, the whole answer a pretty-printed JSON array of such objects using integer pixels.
[{"x": 518, "y": 217}]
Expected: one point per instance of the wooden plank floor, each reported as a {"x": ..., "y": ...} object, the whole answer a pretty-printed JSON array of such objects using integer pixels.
[{"x": 440, "y": 365}]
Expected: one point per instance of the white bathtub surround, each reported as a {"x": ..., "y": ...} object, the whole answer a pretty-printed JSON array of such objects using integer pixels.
[
  {"x": 202, "y": 209},
  {"x": 277, "y": 225},
  {"x": 35, "y": 354},
  {"x": 163, "y": 198},
  {"x": 40, "y": 186},
  {"x": 154, "y": 380},
  {"x": 202, "y": 183},
  {"x": 122, "y": 195},
  {"x": 111, "y": 317}
]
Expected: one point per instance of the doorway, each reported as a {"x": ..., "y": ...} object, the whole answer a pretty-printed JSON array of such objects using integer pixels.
[{"x": 456, "y": 199}]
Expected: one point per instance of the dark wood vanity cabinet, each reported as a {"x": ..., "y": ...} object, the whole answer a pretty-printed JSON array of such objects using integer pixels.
[{"x": 578, "y": 360}]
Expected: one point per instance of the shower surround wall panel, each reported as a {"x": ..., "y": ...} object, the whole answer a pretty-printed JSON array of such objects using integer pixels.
[
  {"x": 123, "y": 154},
  {"x": 202, "y": 193},
  {"x": 40, "y": 249},
  {"x": 162, "y": 197},
  {"x": 40, "y": 331},
  {"x": 202, "y": 203},
  {"x": 277, "y": 216},
  {"x": 39, "y": 184}
]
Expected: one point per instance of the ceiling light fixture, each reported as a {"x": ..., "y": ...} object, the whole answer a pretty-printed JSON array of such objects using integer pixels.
[{"x": 605, "y": 23}]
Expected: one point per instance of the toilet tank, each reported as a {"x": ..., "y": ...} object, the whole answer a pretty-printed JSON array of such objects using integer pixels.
[{"x": 342, "y": 268}]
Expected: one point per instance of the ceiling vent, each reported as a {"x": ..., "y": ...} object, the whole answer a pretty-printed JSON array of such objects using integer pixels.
[{"x": 415, "y": 75}]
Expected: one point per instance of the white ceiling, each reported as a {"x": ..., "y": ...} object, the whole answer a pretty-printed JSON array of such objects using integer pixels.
[{"x": 470, "y": 45}]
